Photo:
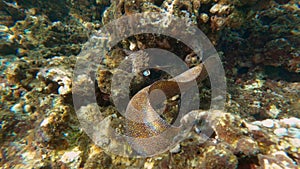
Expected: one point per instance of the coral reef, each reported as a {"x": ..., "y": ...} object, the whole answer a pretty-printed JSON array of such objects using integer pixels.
[
  {"x": 258, "y": 42},
  {"x": 278, "y": 49}
]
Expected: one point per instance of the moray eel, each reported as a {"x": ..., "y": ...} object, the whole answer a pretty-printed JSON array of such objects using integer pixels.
[{"x": 147, "y": 132}]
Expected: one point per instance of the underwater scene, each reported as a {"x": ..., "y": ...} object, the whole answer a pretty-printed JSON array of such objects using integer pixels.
[{"x": 150, "y": 84}]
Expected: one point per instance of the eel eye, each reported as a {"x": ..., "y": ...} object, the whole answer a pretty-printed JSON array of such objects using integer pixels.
[{"x": 146, "y": 72}]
